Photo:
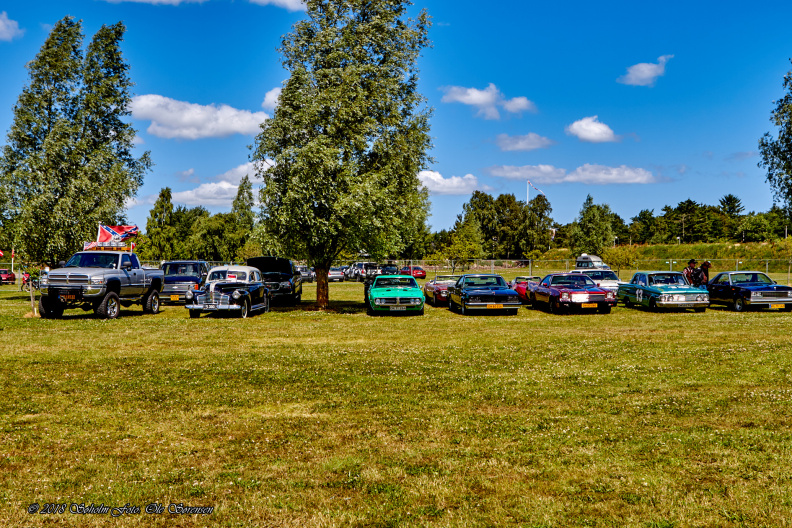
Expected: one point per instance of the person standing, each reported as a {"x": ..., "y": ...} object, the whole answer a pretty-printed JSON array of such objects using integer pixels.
[
  {"x": 688, "y": 271},
  {"x": 705, "y": 267}
]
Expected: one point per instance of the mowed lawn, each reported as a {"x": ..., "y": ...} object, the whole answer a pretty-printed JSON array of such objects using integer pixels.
[{"x": 305, "y": 418}]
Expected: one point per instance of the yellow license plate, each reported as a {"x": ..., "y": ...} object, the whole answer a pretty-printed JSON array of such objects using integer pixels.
[
  {"x": 494, "y": 306},
  {"x": 589, "y": 305},
  {"x": 776, "y": 306},
  {"x": 67, "y": 297},
  {"x": 174, "y": 297}
]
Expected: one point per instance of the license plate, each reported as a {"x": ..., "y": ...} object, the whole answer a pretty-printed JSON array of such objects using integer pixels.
[
  {"x": 589, "y": 305},
  {"x": 777, "y": 305},
  {"x": 494, "y": 306},
  {"x": 397, "y": 308},
  {"x": 67, "y": 297},
  {"x": 685, "y": 305},
  {"x": 174, "y": 297}
]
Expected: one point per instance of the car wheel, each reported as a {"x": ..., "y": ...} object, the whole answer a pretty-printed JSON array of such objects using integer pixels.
[
  {"x": 194, "y": 314},
  {"x": 627, "y": 302},
  {"x": 421, "y": 311},
  {"x": 369, "y": 309},
  {"x": 605, "y": 309},
  {"x": 553, "y": 306},
  {"x": 739, "y": 305},
  {"x": 151, "y": 302},
  {"x": 110, "y": 306},
  {"x": 50, "y": 309},
  {"x": 653, "y": 304},
  {"x": 463, "y": 310},
  {"x": 532, "y": 300},
  {"x": 245, "y": 311}
]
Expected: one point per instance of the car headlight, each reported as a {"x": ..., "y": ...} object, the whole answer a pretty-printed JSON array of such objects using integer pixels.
[
  {"x": 701, "y": 297},
  {"x": 564, "y": 296},
  {"x": 415, "y": 301},
  {"x": 189, "y": 295},
  {"x": 285, "y": 284},
  {"x": 789, "y": 293},
  {"x": 756, "y": 294},
  {"x": 236, "y": 295},
  {"x": 43, "y": 280},
  {"x": 609, "y": 295},
  {"x": 97, "y": 280},
  {"x": 379, "y": 301}
]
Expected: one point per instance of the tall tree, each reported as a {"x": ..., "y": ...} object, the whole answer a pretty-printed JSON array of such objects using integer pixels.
[
  {"x": 348, "y": 137},
  {"x": 160, "y": 229},
  {"x": 777, "y": 152},
  {"x": 592, "y": 231},
  {"x": 538, "y": 226},
  {"x": 67, "y": 164}
]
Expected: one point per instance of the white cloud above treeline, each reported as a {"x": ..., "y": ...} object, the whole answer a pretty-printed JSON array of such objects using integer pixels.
[
  {"x": 178, "y": 119},
  {"x": 591, "y": 130},
  {"x": 9, "y": 29},
  {"x": 530, "y": 141},
  {"x": 221, "y": 191},
  {"x": 435, "y": 183},
  {"x": 588, "y": 173},
  {"x": 487, "y": 101},
  {"x": 645, "y": 73},
  {"x": 271, "y": 99},
  {"x": 291, "y": 5}
]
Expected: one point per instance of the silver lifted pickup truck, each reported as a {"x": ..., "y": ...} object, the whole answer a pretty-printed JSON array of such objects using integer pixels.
[{"x": 102, "y": 281}]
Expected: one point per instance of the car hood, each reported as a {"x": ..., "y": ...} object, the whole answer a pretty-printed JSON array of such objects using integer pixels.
[
  {"x": 675, "y": 288},
  {"x": 276, "y": 277},
  {"x": 764, "y": 287},
  {"x": 395, "y": 292},
  {"x": 489, "y": 291},
  {"x": 177, "y": 279}
]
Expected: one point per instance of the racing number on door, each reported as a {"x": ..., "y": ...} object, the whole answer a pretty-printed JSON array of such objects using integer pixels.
[{"x": 639, "y": 295}]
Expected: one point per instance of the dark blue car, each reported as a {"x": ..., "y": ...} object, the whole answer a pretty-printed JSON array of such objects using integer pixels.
[
  {"x": 180, "y": 276},
  {"x": 482, "y": 292},
  {"x": 741, "y": 290}
]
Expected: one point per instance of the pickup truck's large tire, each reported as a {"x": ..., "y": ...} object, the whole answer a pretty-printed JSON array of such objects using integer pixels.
[
  {"x": 49, "y": 309},
  {"x": 110, "y": 306},
  {"x": 151, "y": 303}
]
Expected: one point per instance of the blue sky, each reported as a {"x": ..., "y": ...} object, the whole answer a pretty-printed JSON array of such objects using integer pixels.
[{"x": 639, "y": 104}]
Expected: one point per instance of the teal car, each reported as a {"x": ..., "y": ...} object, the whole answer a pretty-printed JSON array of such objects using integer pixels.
[
  {"x": 394, "y": 294},
  {"x": 662, "y": 289}
]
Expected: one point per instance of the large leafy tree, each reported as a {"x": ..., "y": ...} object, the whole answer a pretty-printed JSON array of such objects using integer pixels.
[
  {"x": 777, "y": 152},
  {"x": 592, "y": 231},
  {"x": 348, "y": 137},
  {"x": 68, "y": 164},
  {"x": 538, "y": 226}
]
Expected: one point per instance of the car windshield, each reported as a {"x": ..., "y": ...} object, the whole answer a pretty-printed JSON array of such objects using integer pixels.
[
  {"x": 398, "y": 282},
  {"x": 601, "y": 275},
  {"x": 668, "y": 278},
  {"x": 489, "y": 281},
  {"x": 572, "y": 281},
  {"x": 218, "y": 275},
  {"x": 447, "y": 278},
  {"x": 4, "y": 271},
  {"x": 181, "y": 268},
  {"x": 750, "y": 278},
  {"x": 92, "y": 260}
]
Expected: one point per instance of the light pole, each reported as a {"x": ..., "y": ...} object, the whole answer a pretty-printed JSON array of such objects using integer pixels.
[
  {"x": 678, "y": 241},
  {"x": 670, "y": 264},
  {"x": 615, "y": 241}
]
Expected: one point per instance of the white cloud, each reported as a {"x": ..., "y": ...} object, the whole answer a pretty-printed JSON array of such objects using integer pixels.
[
  {"x": 214, "y": 194},
  {"x": 158, "y": 2},
  {"x": 588, "y": 174},
  {"x": 532, "y": 141},
  {"x": 271, "y": 99},
  {"x": 591, "y": 130},
  {"x": 645, "y": 73},
  {"x": 9, "y": 29},
  {"x": 487, "y": 100},
  {"x": 178, "y": 119},
  {"x": 291, "y": 5},
  {"x": 436, "y": 184}
]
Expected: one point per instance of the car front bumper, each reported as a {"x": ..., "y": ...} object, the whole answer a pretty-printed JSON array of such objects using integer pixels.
[
  {"x": 682, "y": 304},
  {"x": 213, "y": 307},
  {"x": 492, "y": 306}
]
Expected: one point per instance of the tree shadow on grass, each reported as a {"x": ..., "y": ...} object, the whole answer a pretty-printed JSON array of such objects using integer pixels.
[{"x": 339, "y": 307}]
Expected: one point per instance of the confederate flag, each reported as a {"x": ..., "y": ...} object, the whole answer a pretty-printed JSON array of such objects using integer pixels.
[{"x": 116, "y": 233}]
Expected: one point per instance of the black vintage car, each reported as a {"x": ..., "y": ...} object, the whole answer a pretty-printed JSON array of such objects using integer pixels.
[
  {"x": 482, "y": 292},
  {"x": 281, "y": 278},
  {"x": 180, "y": 276},
  {"x": 229, "y": 289},
  {"x": 741, "y": 290}
]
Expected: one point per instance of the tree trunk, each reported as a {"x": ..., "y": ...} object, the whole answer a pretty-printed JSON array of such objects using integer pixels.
[{"x": 322, "y": 286}]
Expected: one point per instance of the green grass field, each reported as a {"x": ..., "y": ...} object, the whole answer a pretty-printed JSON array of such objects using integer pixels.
[{"x": 316, "y": 419}]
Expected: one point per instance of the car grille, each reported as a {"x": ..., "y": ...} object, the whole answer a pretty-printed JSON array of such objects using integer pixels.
[
  {"x": 69, "y": 278},
  {"x": 587, "y": 297},
  {"x": 775, "y": 295},
  {"x": 216, "y": 297},
  {"x": 491, "y": 299},
  {"x": 400, "y": 300}
]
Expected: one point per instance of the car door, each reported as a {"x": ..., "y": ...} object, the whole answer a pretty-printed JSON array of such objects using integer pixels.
[
  {"x": 720, "y": 289},
  {"x": 542, "y": 292},
  {"x": 131, "y": 278}
]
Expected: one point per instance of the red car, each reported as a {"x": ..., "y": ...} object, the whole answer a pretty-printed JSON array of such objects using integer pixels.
[
  {"x": 7, "y": 277},
  {"x": 570, "y": 291},
  {"x": 436, "y": 290},
  {"x": 520, "y": 285},
  {"x": 416, "y": 271}
]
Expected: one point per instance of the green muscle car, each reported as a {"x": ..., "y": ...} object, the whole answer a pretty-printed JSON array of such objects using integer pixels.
[
  {"x": 662, "y": 289},
  {"x": 394, "y": 294}
]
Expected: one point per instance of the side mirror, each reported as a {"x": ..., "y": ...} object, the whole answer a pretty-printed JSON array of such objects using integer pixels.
[{"x": 126, "y": 266}]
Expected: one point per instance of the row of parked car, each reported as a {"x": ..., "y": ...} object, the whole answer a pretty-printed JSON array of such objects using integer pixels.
[{"x": 600, "y": 290}]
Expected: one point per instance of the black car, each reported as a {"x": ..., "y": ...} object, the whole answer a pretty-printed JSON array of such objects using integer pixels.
[
  {"x": 281, "y": 278},
  {"x": 229, "y": 289},
  {"x": 180, "y": 276},
  {"x": 741, "y": 290},
  {"x": 482, "y": 292}
]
